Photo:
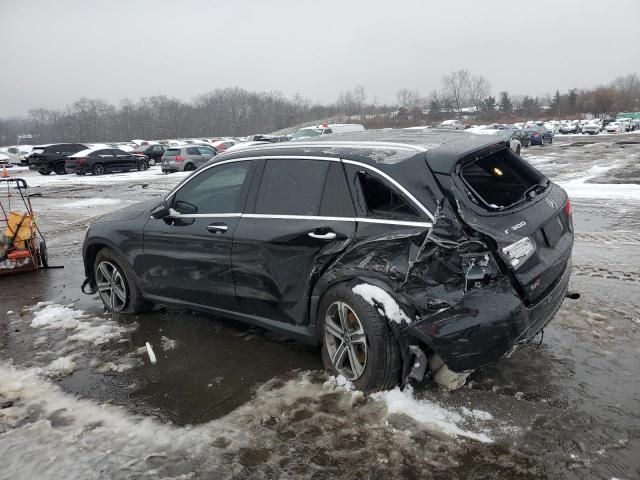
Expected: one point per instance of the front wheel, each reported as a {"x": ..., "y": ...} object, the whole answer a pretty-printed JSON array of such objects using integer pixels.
[
  {"x": 142, "y": 165},
  {"x": 357, "y": 342},
  {"x": 116, "y": 285}
]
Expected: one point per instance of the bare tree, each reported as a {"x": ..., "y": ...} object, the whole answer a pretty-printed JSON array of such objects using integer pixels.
[
  {"x": 455, "y": 85},
  {"x": 408, "y": 99},
  {"x": 479, "y": 89}
]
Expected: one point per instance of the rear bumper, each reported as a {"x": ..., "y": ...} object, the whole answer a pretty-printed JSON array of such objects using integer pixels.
[{"x": 486, "y": 324}]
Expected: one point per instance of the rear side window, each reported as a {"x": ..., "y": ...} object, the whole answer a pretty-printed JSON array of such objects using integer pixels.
[
  {"x": 193, "y": 151},
  {"x": 382, "y": 201},
  {"x": 501, "y": 180},
  {"x": 172, "y": 152},
  {"x": 291, "y": 187}
]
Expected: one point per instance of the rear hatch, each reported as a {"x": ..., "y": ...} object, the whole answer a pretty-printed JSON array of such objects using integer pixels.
[{"x": 525, "y": 217}]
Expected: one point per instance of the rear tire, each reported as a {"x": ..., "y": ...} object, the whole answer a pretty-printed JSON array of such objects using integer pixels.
[
  {"x": 376, "y": 356},
  {"x": 98, "y": 169},
  {"x": 59, "y": 169},
  {"x": 189, "y": 167},
  {"x": 117, "y": 285},
  {"x": 44, "y": 172}
]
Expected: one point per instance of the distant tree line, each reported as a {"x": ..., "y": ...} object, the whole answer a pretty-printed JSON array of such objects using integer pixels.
[{"x": 238, "y": 112}]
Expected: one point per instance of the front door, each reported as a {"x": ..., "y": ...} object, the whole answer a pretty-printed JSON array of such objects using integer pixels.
[
  {"x": 302, "y": 218},
  {"x": 188, "y": 254}
]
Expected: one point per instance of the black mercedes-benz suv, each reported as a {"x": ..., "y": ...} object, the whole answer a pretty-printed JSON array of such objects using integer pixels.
[
  {"x": 395, "y": 251},
  {"x": 51, "y": 158}
]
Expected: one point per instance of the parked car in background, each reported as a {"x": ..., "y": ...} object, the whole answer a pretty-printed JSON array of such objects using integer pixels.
[
  {"x": 99, "y": 160},
  {"x": 153, "y": 153},
  {"x": 452, "y": 124},
  {"x": 538, "y": 135},
  {"x": 615, "y": 127},
  {"x": 591, "y": 128},
  {"x": 4, "y": 159},
  {"x": 569, "y": 127},
  {"x": 51, "y": 158},
  {"x": 520, "y": 136},
  {"x": 337, "y": 250},
  {"x": 626, "y": 123},
  {"x": 326, "y": 129},
  {"x": 18, "y": 153},
  {"x": 186, "y": 158},
  {"x": 222, "y": 145}
]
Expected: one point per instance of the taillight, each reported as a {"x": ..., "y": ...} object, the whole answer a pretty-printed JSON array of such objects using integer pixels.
[
  {"x": 567, "y": 208},
  {"x": 81, "y": 160},
  {"x": 179, "y": 158}
]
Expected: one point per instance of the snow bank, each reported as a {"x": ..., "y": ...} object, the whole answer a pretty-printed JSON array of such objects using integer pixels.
[
  {"x": 93, "y": 202},
  {"x": 432, "y": 415},
  {"x": 377, "y": 297}
]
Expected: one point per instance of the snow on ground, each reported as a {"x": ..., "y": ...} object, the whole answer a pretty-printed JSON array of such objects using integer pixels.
[
  {"x": 436, "y": 417},
  {"x": 93, "y": 202}
]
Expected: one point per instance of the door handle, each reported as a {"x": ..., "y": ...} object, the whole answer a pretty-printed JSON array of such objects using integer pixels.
[
  {"x": 217, "y": 228},
  {"x": 323, "y": 236}
]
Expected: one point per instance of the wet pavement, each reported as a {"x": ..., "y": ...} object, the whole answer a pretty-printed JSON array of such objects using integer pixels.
[{"x": 225, "y": 400}]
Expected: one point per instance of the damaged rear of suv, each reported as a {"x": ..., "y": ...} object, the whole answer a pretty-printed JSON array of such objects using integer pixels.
[{"x": 396, "y": 251}]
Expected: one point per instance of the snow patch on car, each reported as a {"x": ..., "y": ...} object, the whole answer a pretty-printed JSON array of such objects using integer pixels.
[{"x": 377, "y": 297}]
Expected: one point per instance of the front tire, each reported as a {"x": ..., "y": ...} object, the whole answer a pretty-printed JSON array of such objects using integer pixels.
[
  {"x": 142, "y": 165},
  {"x": 116, "y": 284},
  {"x": 357, "y": 341}
]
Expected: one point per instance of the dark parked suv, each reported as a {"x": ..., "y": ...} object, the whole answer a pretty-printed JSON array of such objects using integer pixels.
[
  {"x": 51, "y": 158},
  {"x": 393, "y": 250},
  {"x": 152, "y": 152}
]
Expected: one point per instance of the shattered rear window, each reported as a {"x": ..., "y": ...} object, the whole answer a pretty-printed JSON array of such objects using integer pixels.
[{"x": 501, "y": 180}]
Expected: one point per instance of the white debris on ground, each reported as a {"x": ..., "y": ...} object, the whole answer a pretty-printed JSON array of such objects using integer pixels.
[
  {"x": 377, "y": 297},
  {"x": 61, "y": 367}
]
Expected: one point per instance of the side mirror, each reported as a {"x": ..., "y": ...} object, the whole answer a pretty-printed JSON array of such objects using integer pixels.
[{"x": 160, "y": 211}]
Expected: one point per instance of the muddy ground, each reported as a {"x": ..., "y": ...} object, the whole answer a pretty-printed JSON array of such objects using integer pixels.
[{"x": 229, "y": 401}]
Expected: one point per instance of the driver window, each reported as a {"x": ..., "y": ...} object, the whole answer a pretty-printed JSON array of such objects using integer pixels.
[{"x": 216, "y": 190}]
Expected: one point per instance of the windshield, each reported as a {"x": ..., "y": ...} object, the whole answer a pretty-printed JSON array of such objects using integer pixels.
[{"x": 307, "y": 132}]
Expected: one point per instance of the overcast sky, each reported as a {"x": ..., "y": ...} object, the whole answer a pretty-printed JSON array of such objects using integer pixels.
[{"x": 53, "y": 52}]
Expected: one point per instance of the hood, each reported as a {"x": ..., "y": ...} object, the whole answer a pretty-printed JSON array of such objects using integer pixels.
[{"x": 131, "y": 212}]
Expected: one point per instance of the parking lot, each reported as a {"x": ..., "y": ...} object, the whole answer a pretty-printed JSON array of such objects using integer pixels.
[{"x": 243, "y": 403}]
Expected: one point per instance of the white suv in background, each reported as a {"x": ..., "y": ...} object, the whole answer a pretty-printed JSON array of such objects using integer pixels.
[{"x": 326, "y": 129}]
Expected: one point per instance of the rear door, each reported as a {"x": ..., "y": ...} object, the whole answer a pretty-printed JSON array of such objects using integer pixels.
[
  {"x": 188, "y": 255},
  {"x": 298, "y": 219}
]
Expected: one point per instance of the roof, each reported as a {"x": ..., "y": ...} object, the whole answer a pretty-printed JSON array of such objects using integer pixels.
[{"x": 442, "y": 147}]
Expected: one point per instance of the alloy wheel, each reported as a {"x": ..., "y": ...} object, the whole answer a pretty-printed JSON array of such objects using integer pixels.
[
  {"x": 345, "y": 340},
  {"x": 98, "y": 169},
  {"x": 111, "y": 286}
]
